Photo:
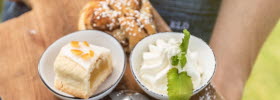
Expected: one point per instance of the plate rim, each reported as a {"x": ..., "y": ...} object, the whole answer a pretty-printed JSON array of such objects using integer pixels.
[
  {"x": 132, "y": 69},
  {"x": 77, "y": 32}
]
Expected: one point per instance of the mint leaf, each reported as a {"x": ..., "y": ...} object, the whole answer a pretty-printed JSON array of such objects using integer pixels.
[
  {"x": 185, "y": 41},
  {"x": 179, "y": 85},
  {"x": 174, "y": 60},
  {"x": 180, "y": 58}
]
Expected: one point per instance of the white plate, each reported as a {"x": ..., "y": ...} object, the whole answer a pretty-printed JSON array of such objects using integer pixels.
[
  {"x": 47, "y": 74},
  {"x": 195, "y": 44}
]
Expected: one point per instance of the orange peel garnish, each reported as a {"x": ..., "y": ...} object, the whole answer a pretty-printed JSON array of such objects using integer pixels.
[
  {"x": 75, "y": 44},
  {"x": 91, "y": 53},
  {"x": 77, "y": 52},
  {"x": 86, "y": 43},
  {"x": 85, "y": 56}
]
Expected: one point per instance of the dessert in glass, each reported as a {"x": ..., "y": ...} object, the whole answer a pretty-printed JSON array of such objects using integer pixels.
[{"x": 155, "y": 58}]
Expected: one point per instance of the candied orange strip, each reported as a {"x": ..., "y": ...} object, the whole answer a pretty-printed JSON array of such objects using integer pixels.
[
  {"x": 91, "y": 53},
  {"x": 85, "y": 56},
  {"x": 75, "y": 44},
  {"x": 86, "y": 43},
  {"x": 77, "y": 52}
]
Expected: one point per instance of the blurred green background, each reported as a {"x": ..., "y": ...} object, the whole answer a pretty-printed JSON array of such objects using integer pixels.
[{"x": 264, "y": 82}]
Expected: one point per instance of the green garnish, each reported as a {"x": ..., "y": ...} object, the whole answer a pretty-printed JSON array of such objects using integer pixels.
[
  {"x": 179, "y": 85},
  {"x": 185, "y": 41},
  {"x": 180, "y": 58},
  {"x": 174, "y": 60},
  {"x": 183, "y": 59}
]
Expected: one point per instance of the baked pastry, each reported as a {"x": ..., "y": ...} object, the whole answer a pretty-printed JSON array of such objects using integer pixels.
[
  {"x": 81, "y": 68},
  {"x": 127, "y": 20}
]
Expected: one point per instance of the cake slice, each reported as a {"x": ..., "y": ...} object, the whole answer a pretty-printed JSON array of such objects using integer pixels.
[{"x": 81, "y": 68}]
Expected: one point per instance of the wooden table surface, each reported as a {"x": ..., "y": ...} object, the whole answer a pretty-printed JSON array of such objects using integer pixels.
[{"x": 24, "y": 39}]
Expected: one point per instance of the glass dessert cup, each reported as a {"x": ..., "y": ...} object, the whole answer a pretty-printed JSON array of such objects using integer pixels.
[{"x": 196, "y": 44}]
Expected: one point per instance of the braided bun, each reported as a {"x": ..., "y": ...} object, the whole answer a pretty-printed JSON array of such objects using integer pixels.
[{"x": 127, "y": 20}]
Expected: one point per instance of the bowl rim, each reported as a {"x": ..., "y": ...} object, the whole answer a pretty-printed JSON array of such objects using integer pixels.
[
  {"x": 132, "y": 69},
  {"x": 77, "y": 32}
]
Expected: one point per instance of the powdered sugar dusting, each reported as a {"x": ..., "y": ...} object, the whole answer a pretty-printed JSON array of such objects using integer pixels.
[
  {"x": 113, "y": 9},
  {"x": 130, "y": 17},
  {"x": 208, "y": 93}
]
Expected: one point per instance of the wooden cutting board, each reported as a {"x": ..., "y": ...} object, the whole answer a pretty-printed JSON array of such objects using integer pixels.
[{"x": 24, "y": 39}]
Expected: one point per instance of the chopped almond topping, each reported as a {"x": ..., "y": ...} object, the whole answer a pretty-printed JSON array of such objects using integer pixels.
[
  {"x": 85, "y": 56},
  {"x": 91, "y": 53},
  {"x": 77, "y": 52},
  {"x": 80, "y": 53},
  {"x": 86, "y": 43},
  {"x": 75, "y": 44}
]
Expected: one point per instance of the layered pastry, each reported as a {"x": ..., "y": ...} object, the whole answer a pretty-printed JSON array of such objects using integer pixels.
[
  {"x": 127, "y": 20},
  {"x": 81, "y": 68}
]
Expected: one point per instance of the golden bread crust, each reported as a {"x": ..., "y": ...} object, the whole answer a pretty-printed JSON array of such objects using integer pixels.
[{"x": 127, "y": 20}]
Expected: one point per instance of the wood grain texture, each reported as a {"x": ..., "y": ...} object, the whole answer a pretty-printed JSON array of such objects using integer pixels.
[{"x": 24, "y": 39}]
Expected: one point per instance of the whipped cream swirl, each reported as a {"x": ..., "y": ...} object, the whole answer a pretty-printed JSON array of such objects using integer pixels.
[{"x": 157, "y": 62}]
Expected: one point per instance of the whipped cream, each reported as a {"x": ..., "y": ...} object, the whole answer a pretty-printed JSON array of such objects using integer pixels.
[
  {"x": 66, "y": 51},
  {"x": 157, "y": 62}
]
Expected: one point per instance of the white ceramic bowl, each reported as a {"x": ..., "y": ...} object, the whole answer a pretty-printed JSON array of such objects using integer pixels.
[
  {"x": 47, "y": 74},
  {"x": 195, "y": 44}
]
